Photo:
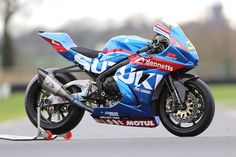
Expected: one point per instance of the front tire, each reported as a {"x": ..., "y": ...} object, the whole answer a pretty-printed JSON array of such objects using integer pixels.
[
  {"x": 70, "y": 115},
  {"x": 198, "y": 114}
]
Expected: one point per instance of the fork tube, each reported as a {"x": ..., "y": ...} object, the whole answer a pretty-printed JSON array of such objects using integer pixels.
[{"x": 172, "y": 88}]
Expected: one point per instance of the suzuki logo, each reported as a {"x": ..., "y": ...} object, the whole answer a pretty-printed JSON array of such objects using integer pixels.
[
  {"x": 134, "y": 77},
  {"x": 94, "y": 65}
]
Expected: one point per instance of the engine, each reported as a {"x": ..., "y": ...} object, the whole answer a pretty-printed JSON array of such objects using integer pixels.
[
  {"x": 111, "y": 89},
  {"x": 107, "y": 97}
]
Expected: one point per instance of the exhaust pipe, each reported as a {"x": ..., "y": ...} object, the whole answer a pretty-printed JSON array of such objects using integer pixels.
[{"x": 51, "y": 84}]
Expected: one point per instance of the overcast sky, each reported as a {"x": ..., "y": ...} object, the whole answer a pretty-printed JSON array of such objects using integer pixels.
[{"x": 52, "y": 14}]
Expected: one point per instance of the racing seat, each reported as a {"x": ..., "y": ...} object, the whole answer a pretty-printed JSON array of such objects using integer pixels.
[{"x": 87, "y": 52}]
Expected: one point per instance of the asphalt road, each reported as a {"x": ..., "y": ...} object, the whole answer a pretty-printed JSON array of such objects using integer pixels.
[{"x": 92, "y": 139}]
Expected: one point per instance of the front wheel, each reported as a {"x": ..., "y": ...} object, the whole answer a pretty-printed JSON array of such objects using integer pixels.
[{"x": 197, "y": 114}]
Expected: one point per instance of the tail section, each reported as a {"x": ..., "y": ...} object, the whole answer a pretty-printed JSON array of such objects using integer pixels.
[{"x": 61, "y": 42}]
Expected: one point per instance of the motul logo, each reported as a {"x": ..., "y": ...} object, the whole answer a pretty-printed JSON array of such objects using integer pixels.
[
  {"x": 150, "y": 123},
  {"x": 140, "y": 123}
]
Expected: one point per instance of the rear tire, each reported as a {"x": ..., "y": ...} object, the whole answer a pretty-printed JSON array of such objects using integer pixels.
[
  {"x": 204, "y": 112},
  {"x": 71, "y": 119}
]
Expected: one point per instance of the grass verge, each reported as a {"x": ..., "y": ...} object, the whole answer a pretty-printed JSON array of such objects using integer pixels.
[
  {"x": 225, "y": 94},
  {"x": 12, "y": 107}
]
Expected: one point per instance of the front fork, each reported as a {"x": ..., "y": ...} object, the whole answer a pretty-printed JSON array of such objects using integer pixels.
[{"x": 174, "y": 92}]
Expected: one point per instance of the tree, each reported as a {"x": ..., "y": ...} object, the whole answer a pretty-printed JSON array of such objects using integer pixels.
[{"x": 9, "y": 8}]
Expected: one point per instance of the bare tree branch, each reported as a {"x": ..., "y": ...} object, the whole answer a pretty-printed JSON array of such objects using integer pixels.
[{"x": 9, "y": 9}]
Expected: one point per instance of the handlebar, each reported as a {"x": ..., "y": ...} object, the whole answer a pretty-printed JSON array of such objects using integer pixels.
[{"x": 144, "y": 49}]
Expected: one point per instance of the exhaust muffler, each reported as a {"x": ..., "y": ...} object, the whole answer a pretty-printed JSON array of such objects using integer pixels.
[{"x": 52, "y": 85}]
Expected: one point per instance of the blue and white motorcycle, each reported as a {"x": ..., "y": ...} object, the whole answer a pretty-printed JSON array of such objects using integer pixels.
[{"x": 133, "y": 82}]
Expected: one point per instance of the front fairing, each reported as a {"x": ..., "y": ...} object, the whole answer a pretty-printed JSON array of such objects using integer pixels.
[
  {"x": 183, "y": 44},
  {"x": 178, "y": 39}
]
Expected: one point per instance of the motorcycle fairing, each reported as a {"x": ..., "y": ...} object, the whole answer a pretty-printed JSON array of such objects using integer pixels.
[
  {"x": 183, "y": 44},
  {"x": 137, "y": 96},
  {"x": 178, "y": 39},
  {"x": 61, "y": 42},
  {"x": 134, "y": 108},
  {"x": 137, "y": 88}
]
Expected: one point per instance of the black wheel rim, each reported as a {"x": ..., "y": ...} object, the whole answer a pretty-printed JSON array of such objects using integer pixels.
[
  {"x": 51, "y": 113},
  {"x": 61, "y": 111}
]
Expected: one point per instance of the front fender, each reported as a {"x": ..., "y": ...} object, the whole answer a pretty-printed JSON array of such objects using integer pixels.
[
  {"x": 186, "y": 77},
  {"x": 179, "y": 82},
  {"x": 181, "y": 78}
]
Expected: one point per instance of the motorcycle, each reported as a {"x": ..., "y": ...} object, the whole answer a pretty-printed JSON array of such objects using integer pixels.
[{"x": 133, "y": 82}]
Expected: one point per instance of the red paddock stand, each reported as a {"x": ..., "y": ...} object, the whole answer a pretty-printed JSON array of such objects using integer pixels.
[{"x": 41, "y": 134}]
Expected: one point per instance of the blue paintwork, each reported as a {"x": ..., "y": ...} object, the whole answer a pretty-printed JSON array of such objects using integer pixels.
[
  {"x": 127, "y": 42},
  {"x": 65, "y": 40},
  {"x": 178, "y": 34},
  {"x": 136, "y": 100}
]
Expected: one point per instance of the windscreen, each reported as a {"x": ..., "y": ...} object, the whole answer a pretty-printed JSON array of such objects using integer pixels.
[{"x": 172, "y": 30}]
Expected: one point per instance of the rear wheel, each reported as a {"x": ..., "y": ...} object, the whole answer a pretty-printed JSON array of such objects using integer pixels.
[
  {"x": 59, "y": 118},
  {"x": 197, "y": 115}
]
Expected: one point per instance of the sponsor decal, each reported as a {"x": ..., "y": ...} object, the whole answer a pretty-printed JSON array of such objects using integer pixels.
[
  {"x": 112, "y": 114},
  {"x": 156, "y": 63},
  {"x": 142, "y": 122},
  {"x": 142, "y": 90},
  {"x": 147, "y": 123},
  {"x": 158, "y": 28},
  {"x": 153, "y": 64},
  {"x": 56, "y": 45},
  {"x": 50, "y": 84},
  {"x": 163, "y": 28},
  {"x": 190, "y": 45},
  {"x": 171, "y": 55}
]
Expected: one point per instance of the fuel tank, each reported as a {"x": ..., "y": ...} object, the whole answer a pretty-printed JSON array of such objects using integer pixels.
[{"x": 120, "y": 47}]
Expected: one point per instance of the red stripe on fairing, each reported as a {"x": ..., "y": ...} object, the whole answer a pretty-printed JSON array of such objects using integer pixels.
[
  {"x": 56, "y": 45},
  {"x": 117, "y": 50},
  {"x": 155, "y": 63}
]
